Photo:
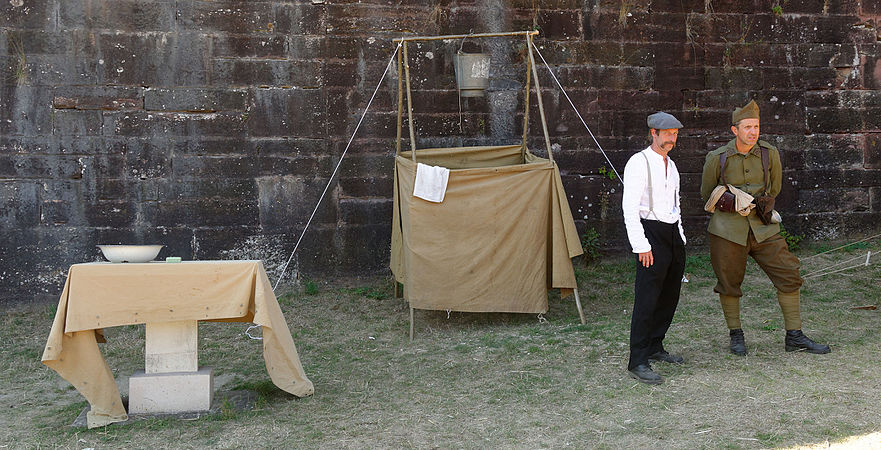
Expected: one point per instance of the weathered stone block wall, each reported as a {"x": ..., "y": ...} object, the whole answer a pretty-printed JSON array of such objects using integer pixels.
[{"x": 213, "y": 126}]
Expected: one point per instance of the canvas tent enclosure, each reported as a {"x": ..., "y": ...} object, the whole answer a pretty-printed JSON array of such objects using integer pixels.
[
  {"x": 501, "y": 238},
  {"x": 503, "y": 234}
]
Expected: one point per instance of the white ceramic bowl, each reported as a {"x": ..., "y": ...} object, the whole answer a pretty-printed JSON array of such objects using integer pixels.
[{"x": 130, "y": 253}]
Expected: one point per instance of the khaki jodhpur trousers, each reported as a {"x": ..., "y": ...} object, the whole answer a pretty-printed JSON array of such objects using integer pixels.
[{"x": 772, "y": 255}]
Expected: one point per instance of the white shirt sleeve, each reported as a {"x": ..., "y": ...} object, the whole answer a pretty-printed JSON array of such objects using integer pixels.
[{"x": 635, "y": 181}]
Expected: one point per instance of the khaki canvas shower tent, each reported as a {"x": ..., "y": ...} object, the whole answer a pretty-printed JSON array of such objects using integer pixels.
[{"x": 503, "y": 234}]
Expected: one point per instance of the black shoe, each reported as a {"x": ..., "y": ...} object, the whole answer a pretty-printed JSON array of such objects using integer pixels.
[
  {"x": 796, "y": 340},
  {"x": 738, "y": 344},
  {"x": 645, "y": 374},
  {"x": 666, "y": 357}
]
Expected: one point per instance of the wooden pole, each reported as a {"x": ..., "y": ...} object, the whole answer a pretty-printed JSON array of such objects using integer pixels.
[
  {"x": 409, "y": 106},
  {"x": 541, "y": 108},
  {"x": 400, "y": 104},
  {"x": 526, "y": 109},
  {"x": 461, "y": 36}
]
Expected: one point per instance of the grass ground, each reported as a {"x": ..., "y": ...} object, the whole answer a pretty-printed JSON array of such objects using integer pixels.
[{"x": 498, "y": 380}]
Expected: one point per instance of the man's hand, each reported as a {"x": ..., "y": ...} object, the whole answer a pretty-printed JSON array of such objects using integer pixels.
[{"x": 647, "y": 259}]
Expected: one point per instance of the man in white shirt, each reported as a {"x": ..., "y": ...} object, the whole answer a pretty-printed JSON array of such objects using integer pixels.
[{"x": 652, "y": 218}]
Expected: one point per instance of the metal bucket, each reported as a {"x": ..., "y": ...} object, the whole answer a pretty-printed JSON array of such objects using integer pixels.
[{"x": 472, "y": 73}]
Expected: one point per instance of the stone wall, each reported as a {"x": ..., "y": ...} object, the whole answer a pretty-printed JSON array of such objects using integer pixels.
[{"x": 213, "y": 126}]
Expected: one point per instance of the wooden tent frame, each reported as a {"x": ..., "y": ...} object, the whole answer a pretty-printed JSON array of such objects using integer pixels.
[{"x": 531, "y": 71}]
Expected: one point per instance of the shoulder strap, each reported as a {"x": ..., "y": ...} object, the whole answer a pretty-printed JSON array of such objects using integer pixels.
[
  {"x": 723, "y": 160},
  {"x": 648, "y": 169},
  {"x": 766, "y": 167}
]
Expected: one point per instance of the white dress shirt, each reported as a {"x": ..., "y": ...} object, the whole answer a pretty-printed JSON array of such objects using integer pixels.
[{"x": 665, "y": 196}]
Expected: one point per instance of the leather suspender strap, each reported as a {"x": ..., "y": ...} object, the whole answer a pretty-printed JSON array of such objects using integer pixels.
[
  {"x": 723, "y": 159},
  {"x": 648, "y": 169},
  {"x": 766, "y": 167}
]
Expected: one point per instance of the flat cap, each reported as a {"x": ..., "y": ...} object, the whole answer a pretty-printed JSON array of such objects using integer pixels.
[
  {"x": 750, "y": 111},
  {"x": 663, "y": 121}
]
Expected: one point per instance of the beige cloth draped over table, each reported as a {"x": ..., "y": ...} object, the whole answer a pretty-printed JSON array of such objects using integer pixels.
[
  {"x": 100, "y": 295},
  {"x": 501, "y": 238}
]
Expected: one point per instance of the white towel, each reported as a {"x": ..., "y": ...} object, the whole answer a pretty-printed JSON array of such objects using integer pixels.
[{"x": 431, "y": 182}]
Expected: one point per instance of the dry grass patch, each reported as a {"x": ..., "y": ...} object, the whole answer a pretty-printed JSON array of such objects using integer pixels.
[{"x": 495, "y": 380}]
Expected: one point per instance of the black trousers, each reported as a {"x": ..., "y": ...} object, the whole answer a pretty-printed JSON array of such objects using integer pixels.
[{"x": 656, "y": 291}]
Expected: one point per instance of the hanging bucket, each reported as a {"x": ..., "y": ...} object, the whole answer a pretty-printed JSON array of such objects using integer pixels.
[{"x": 472, "y": 73}]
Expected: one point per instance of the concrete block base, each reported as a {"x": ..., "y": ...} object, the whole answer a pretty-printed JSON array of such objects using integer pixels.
[{"x": 172, "y": 392}]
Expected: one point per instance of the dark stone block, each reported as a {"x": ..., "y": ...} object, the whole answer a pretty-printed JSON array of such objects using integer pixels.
[
  {"x": 287, "y": 201},
  {"x": 153, "y": 59},
  {"x": 240, "y": 243},
  {"x": 25, "y": 110},
  {"x": 194, "y": 100},
  {"x": 227, "y": 16},
  {"x": 678, "y": 6},
  {"x": 111, "y": 189},
  {"x": 207, "y": 188},
  {"x": 679, "y": 79},
  {"x": 835, "y": 226},
  {"x": 197, "y": 167},
  {"x": 263, "y": 46},
  {"x": 207, "y": 213},
  {"x": 829, "y": 120},
  {"x": 145, "y": 124},
  {"x": 624, "y": 25},
  {"x": 120, "y": 15},
  {"x": 27, "y": 166},
  {"x": 555, "y": 24},
  {"x": 47, "y": 70},
  {"x": 355, "y": 19},
  {"x": 875, "y": 199},
  {"x": 288, "y": 112},
  {"x": 290, "y": 166},
  {"x": 265, "y": 73},
  {"x": 20, "y": 204},
  {"x": 734, "y": 79},
  {"x": 366, "y": 212},
  {"x": 872, "y": 152},
  {"x": 376, "y": 186},
  {"x": 365, "y": 249},
  {"x": 301, "y": 18},
  {"x": 77, "y": 123},
  {"x": 98, "y": 97},
  {"x": 833, "y": 200},
  {"x": 110, "y": 213},
  {"x": 147, "y": 158},
  {"x": 637, "y": 78},
  {"x": 289, "y": 147},
  {"x": 27, "y": 15},
  {"x": 207, "y": 145},
  {"x": 44, "y": 42},
  {"x": 35, "y": 260}
]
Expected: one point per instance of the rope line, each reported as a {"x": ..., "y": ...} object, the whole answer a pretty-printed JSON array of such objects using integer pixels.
[
  {"x": 821, "y": 273},
  {"x": 330, "y": 181},
  {"x": 843, "y": 246},
  {"x": 837, "y": 264},
  {"x": 577, "y": 112}
]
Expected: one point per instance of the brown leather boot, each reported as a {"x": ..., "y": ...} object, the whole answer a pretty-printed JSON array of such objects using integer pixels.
[
  {"x": 738, "y": 344},
  {"x": 796, "y": 340}
]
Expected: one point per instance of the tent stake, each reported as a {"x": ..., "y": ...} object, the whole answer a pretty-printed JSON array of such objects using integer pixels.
[{"x": 578, "y": 304}]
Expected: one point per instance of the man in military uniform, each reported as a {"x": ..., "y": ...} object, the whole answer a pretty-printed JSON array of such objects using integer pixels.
[{"x": 748, "y": 163}]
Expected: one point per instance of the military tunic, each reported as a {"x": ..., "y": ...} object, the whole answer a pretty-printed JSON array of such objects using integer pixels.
[
  {"x": 733, "y": 237},
  {"x": 745, "y": 173}
]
